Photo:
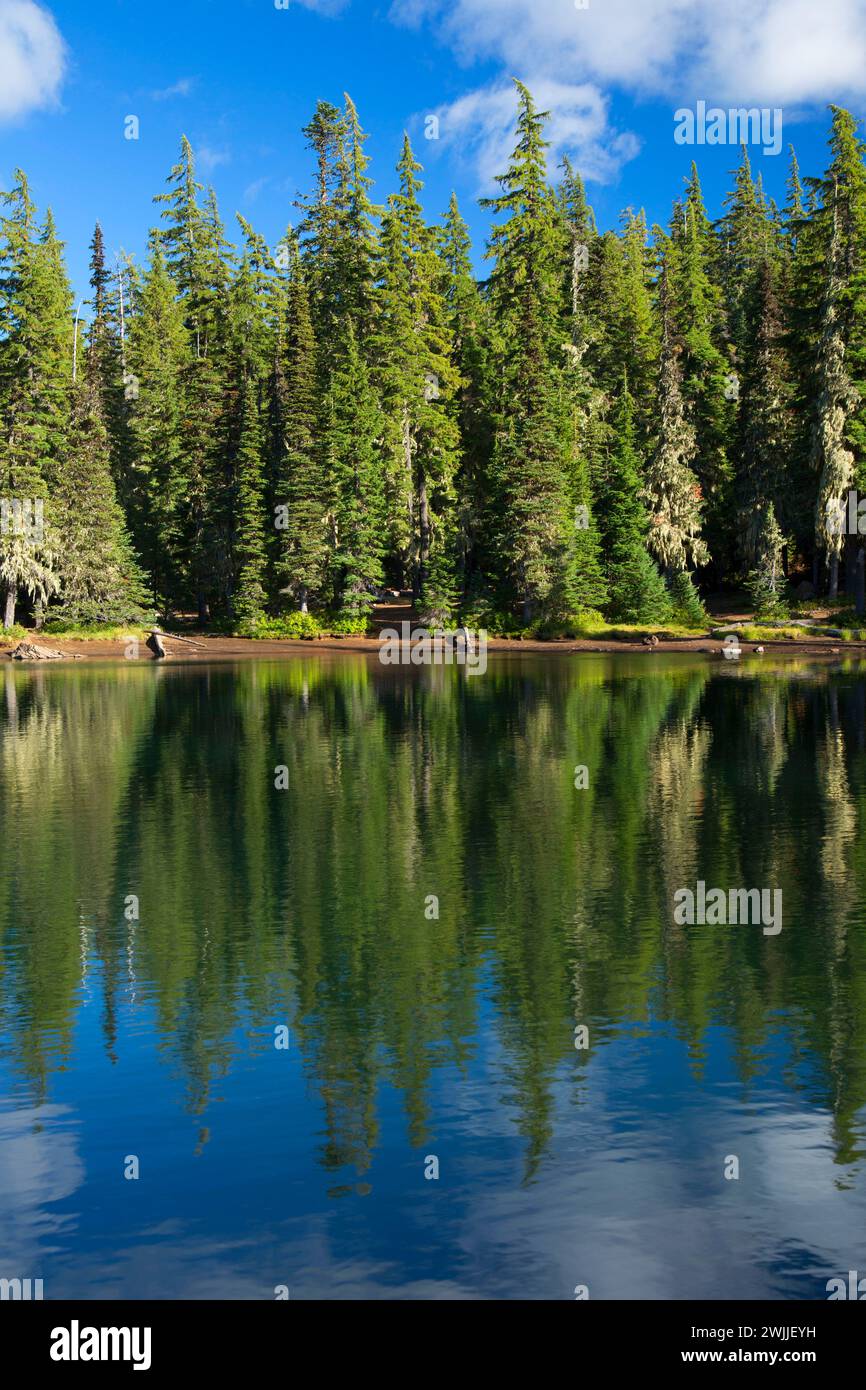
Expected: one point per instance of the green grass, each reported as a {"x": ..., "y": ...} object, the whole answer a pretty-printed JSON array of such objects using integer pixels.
[
  {"x": 15, "y": 634},
  {"x": 87, "y": 632},
  {"x": 752, "y": 632},
  {"x": 304, "y": 626},
  {"x": 590, "y": 628},
  {"x": 72, "y": 632}
]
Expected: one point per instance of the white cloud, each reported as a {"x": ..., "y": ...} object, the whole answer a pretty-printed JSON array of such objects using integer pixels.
[
  {"x": 480, "y": 126},
  {"x": 209, "y": 158},
  {"x": 181, "y": 88},
  {"x": 325, "y": 7},
  {"x": 252, "y": 190},
  {"x": 32, "y": 58},
  {"x": 769, "y": 52}
]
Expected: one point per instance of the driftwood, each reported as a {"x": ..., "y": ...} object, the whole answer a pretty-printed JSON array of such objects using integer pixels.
[
  {"x": 156, "y": 641},
  {"x": 29, "y": 651},
  {"x": 173, "y": 637}
]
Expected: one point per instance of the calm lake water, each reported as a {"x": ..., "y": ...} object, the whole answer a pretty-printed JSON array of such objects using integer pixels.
[{"x": 431, "y": 908}]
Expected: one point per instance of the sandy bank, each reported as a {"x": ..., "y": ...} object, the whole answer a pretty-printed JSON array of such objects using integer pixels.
[{"x": 208, "y": 648}]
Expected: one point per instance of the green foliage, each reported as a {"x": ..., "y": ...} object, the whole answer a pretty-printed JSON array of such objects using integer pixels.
[
  {"x": 768, "y": 598},
  {"x": 347, "y": 625},
  {"x": 686, "y": 605},
  {"x": 294, "y": 625},
  {"x": 766, "y": 583},
  {"x": 237, "y": 433},
  {"x": 637, "y": 592}
]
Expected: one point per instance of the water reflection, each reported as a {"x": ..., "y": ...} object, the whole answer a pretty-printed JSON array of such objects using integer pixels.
[{"x": 421, "y": 1030}]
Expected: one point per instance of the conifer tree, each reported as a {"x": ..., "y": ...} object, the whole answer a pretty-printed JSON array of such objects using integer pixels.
[
  {"x": 101, "y": 354},
  {"x": 249, "y": 328},
  {"x": 626, "y": 340},
  {"x": 354, "y": 423},
  {"x": 250, "y": 548},
  {"x": 708, "y": 381},
  {"x": 838, "y": 451},
  {"x": 837, "y": 403},
  {"x": 531, "y": 463},
  {"x": 155, "y": 480},
  {"x": 672, "y": 490},
  {"x": 267, "y": 431},
  {"x": 35, "y": 381},
  {"x": 637, "y": 590},
  {"x": 585, "y": 402},
  {"x": 764, "y": 425},
  {"x": 303, "y": 495},
  {"x": 471, "y": 351},
  {"x": 321, "y": 228},
  {"x": 100, "y": 578},
  {"x": 418, "y": 380},
  {"x": 194, "y": 245}
]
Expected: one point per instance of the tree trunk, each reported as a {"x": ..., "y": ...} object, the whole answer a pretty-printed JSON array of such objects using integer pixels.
[
  {"x": 424, "y": 531},
  {"x": 9, "y": 603},
  {"x": 860, "y": 582},
  {"x": 203, "y": 611},
  {"x": 303, "y": 598},
  {"x": 833, "y": 586},
  {"x": 850, "y": 566}
]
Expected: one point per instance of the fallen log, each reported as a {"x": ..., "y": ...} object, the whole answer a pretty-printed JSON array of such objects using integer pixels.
[
  {"x": 157, "y": 639},
  {"x": 174, "y": 637},
  {"x": 29, "y": 651}
]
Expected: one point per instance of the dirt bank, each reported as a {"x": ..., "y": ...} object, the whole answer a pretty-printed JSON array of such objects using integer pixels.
[{"x": 241, "y": 649}]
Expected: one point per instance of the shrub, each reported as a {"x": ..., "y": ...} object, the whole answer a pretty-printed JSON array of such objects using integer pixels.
[
  {"x": 575, "y": 625},
  {"x": 638, "y": 593},
  {"x": 290, "y": 627},
  {"x": 768, "y": 594},
  {"x": 348, "y": 625},
  {"x": 686, "y": 603}
]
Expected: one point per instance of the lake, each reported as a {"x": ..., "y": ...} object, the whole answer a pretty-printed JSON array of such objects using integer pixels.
[{"x": 350, "y": 981}]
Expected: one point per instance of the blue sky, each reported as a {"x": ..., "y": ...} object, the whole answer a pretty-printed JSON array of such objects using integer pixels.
[{"x": 241, "y": 77}]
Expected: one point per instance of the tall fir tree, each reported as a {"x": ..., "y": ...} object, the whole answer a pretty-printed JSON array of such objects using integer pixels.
[
  {"x": 838, "y": 442},
  {"x": 672, "y": 490},
  {"x": 194, "y": 244},
  {"x": 304, "y": 496},
  {"x": 532, "y": 451},
  {"x": 471, "y": 353},
  {"x": 35, "y": 385},
  {"x": 155, "y": 481},
  {"x": 764, "y": 422},
  {"x": 700, "y": 320},
  {"x": 354, "y": 423},
  {"x": 637, "y": 590},
  {"x": 418, "y": 380},
  {"x": 101, "y": 581}
]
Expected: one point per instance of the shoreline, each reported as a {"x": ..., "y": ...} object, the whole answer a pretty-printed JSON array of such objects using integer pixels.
[{"x": 247, "y": 649}]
